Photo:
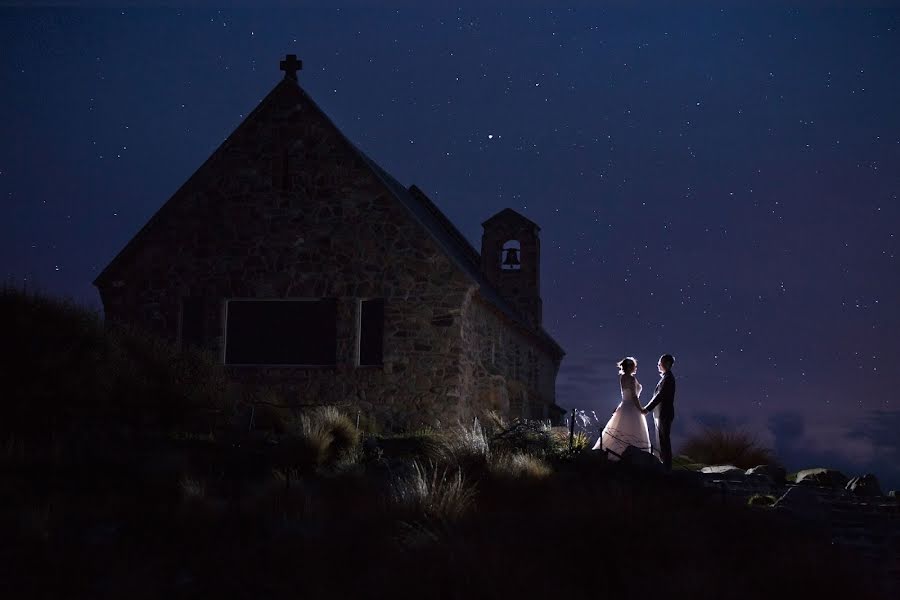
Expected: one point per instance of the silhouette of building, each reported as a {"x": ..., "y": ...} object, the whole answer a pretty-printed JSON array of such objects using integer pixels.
[{"x": 311, "y": 271}]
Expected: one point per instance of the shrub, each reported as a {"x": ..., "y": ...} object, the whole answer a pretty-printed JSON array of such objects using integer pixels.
[
  {"x": 719, "y": 447},
  {"x": 437, "y": 493},
  {"x": 530, "y": 437},
  {"x": 73, "y": 374},
  {"x": 423, "y": 444}
]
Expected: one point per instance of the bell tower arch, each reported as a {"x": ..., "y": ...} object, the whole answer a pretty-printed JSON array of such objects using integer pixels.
[{"x": 511, "y": 261}]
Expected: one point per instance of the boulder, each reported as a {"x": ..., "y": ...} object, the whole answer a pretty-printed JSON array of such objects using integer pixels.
[
  {"x": 772, "y": 473},
  {"x": 727, "y": 472},
  {"x": 640, "y": 458},
  {"x": 822, "y": 477},
  {"x": 803, "y": 502},
  {"x": 864, "y": 485}
]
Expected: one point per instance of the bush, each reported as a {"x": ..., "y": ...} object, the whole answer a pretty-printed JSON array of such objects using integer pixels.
[
  {"x": 719, "y": 447},
  {"x": 73, "y": 374},
  {"x": 530, "y": 437},
  {"x": 423, "y": 444}
]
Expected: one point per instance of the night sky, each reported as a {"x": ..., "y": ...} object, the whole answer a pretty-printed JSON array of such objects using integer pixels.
[{"x": 718, "y": 184}]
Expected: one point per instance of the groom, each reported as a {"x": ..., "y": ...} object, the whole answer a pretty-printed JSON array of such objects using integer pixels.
[{"x": 663, "y": 402}]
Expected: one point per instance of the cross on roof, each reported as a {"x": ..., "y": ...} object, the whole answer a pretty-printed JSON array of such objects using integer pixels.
[{"x": 290, "y": 65}]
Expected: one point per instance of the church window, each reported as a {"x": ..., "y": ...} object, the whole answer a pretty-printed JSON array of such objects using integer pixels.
[
  {"x": 510, "y": 256},
  {"x": 281, "y": 332},
  {"x": 371, "y": 332}
]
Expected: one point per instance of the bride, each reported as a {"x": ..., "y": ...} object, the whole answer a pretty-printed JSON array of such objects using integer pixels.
[{"x": 628, "y": 425}]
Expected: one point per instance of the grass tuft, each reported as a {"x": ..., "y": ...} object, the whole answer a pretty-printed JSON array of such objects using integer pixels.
[
  {"x": 441, "y": 493},
  {"x": 519, "y": 465}
]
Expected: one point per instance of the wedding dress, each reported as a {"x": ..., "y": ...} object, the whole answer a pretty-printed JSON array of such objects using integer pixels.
[{"x": 627, "y": 426}]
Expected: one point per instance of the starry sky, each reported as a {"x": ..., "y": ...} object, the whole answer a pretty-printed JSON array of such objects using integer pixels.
[{"x": 720, "y": 184}]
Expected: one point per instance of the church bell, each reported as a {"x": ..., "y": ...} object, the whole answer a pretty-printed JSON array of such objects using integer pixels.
[{"x": 512, "y": 257}]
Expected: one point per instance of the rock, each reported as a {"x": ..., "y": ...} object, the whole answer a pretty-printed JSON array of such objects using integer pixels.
[
  {"x": 822, "y": 477},
  {"x": 640, "y": 458},
  {"x": 761, "y": 500},
  {"x": 864, "y": 485},
  {"x": 802, "y": 502},
  {"x": 772, "y": 473},
  {"x": 727, "y": 472},
  {"x": 686, "y": 477}
]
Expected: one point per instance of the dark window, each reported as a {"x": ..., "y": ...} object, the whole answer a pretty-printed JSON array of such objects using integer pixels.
[
  {"x": 281, "y": 332},
  {"x": 192, "y": 329},
  {"x": 371, "y": 332}
]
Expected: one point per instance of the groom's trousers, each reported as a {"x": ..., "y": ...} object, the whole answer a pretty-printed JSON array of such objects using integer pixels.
[{"x": 664, "y": 432}]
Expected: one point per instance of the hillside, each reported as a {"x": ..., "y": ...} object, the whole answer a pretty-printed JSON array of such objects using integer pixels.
[{"x": 132, "y": 470}]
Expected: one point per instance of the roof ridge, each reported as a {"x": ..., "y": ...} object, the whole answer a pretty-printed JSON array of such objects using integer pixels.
[
  {"x": 467, "y": 246},
  {"x": 167, "y": 205}
]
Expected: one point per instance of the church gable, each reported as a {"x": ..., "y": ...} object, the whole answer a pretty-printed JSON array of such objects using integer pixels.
[
  {"x": 299, "y": 260},
  {"x": 285, "y": 181}
]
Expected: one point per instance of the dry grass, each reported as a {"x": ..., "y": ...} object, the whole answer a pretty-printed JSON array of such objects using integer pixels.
[
  {"x": 720, "y": 447},
  {"x": 467, "y": 445},
  {"x": 435, "y": 492},
  {"x": 323, "y": 437},
  {"x": 519, "y": 465},
  {"x": 344, "y": 436},
  {"x": 192, "y": 488}
]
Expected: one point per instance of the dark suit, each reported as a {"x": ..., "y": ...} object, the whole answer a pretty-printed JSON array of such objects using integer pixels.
[{"x": 664, "y": 398}]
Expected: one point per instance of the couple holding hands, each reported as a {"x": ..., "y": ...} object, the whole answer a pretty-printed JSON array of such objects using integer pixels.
[{"x": 628, "y": 424}]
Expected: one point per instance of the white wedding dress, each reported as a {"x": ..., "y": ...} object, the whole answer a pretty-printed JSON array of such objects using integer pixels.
[{"x": 627, "y": 426}]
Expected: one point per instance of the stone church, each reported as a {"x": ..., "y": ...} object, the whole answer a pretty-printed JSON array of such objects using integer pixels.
[{"x": 311, "y": 271}]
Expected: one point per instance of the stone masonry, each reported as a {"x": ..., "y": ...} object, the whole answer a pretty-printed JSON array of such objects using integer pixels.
[{"x": 288, "y": 208}]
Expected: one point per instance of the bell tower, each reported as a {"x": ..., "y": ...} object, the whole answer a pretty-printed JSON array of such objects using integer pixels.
[{"x": 511, "y": 261}]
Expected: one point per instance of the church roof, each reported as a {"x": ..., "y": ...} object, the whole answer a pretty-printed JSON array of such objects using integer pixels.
[
  {"x": 454, "y": 244},
  {"x": 441, "y": 229},
  {"x": 510, "y": 214}
]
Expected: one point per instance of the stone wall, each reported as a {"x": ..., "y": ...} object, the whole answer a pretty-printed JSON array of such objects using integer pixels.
[
  {"x": 286, "y": 208},
  {"x": 504, "y": 369},
  {"x": 236, "y": 230}
]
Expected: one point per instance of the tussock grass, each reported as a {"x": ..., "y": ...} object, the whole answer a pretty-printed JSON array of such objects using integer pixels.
[
  {"x": 435, "y": 492},
  {"x": 322, "y": 437},
  {"x": 192, "y": 488},
  {"x": 467, "y": 445},
  {"x": 422, "y": 444},
  {"x": 343, "y": 433},
  {"x": 519, "y": 465},
  {"x": 719, "y": 447}
]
